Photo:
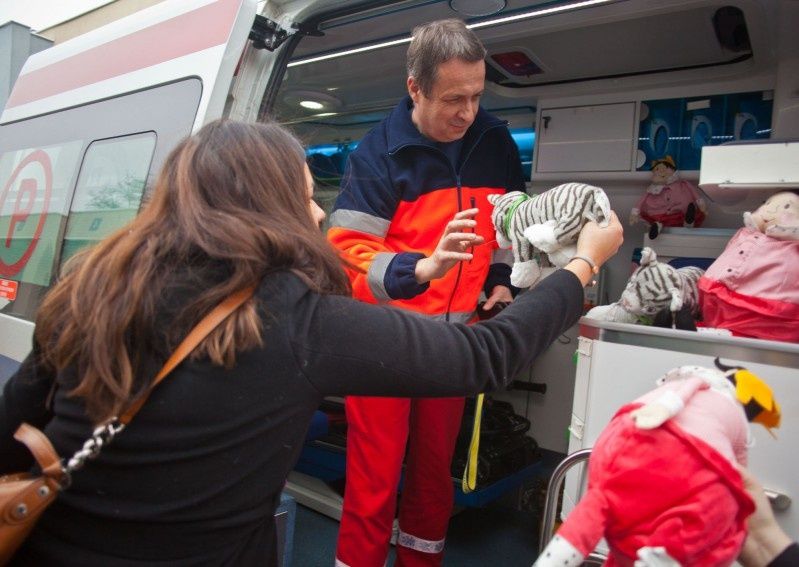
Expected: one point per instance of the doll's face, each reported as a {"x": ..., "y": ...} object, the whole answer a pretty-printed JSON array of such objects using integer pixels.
[
  {"x": 661, "y": 173},
  {"x": 780, "y": 209}
]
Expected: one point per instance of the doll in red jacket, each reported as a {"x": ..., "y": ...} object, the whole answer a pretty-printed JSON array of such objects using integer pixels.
[
  {"x": 669, "y": 200},
  {"x": 663, "y": 485}
]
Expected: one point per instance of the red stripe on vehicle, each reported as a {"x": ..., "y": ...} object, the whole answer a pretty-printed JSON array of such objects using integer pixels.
[{"x": 187, "y": 33}]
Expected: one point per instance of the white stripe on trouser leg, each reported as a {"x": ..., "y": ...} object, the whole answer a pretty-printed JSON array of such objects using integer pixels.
[
  {"x": 340, "y": 563},
  {"x": 419, "y": 544}
]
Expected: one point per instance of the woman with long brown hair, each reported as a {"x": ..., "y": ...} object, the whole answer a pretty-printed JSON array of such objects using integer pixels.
[{"x": 196, "y": 477}]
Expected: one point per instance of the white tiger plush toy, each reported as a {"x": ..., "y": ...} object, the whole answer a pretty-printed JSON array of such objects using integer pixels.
[
  {"x": 653, "y": 286},
  {"x": 549, "y": 223}
]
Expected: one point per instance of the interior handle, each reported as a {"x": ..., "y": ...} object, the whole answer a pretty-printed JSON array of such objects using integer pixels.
[{"x": 779, "y": 501}]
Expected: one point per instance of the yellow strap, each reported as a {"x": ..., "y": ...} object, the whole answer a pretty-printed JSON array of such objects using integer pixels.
[{"x": 469, "y": 482}]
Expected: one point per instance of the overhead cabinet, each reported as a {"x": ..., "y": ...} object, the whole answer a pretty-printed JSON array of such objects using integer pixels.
[{"x": 586, "y": 138}]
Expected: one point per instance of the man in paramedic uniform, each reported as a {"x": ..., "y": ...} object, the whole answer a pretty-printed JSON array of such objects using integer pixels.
[{"x": 418, "y": 178}]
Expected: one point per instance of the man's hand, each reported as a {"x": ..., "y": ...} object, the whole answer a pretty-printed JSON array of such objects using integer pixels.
[
  {"x": 453, "y": 247},
  {"x": 500, "y": 294}
]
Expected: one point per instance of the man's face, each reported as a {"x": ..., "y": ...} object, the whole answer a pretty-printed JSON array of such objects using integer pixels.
[{"x": 450, "y": 109}]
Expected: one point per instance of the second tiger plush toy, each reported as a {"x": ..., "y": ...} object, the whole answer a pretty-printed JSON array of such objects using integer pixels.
[
  {"x": 653, "y": 286},
  {"x": 548, "y": 223}
]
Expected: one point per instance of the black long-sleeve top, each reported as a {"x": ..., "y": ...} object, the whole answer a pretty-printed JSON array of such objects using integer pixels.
[
  {"x": 196, "y": 476},
  {"x": 788, "y": 558}
]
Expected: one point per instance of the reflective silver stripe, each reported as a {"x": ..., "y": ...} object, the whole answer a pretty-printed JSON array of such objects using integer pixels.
[
  {"x": 455, "y": 317},
  {"x": 462, "y": 317},
  {"x": 418, "y": 544},
  {"x": 340, "y": 563},
  {"x": 376, "y": 274},
  {"x": 502, "y": 256},
  {"x": 362, "y": 222}
]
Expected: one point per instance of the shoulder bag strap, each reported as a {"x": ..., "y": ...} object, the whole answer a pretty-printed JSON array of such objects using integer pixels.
[
  {"x": 41, "y": 448},
  {"x": 195, "y": 337}
]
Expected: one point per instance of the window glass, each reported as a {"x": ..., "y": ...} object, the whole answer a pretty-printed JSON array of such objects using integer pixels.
[
  {"x": 63, "y": 140},
  {"x": 109, "y": 189},
  {"x": 35, "y": 185}
]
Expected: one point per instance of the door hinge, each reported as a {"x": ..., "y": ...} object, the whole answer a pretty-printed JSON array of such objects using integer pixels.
[{"x": 267, "y": 34}]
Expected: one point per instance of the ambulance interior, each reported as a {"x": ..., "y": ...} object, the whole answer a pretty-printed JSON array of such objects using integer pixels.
[{"x": 592, "y": 93}]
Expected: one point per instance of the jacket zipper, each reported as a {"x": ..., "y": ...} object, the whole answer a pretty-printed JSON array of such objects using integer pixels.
[
  {"x": 460, "y": 264},
  {"x": 457, "y": 173},
  {"x": 458, "y": 193}
]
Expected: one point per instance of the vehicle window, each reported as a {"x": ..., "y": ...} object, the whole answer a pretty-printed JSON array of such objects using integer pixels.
[
  {"x": 96, "y": 161},
  {"x": 33, "y": 207},
  {"x": 109, "y": 191}
]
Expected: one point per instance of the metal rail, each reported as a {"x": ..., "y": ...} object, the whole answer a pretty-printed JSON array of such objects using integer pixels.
[{"x": 551, "y": 504}]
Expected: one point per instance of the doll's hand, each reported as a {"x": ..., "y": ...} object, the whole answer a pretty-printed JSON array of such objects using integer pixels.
[
  {"x": 635, "y": 216},
  {"x": 781, "y": 232},
  {"x": 650, "y": 416},
  {"x": 655, "y": 557},
  {"x": 751, "y": 222}
]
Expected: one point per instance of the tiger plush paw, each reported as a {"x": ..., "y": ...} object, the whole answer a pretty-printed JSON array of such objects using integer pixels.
[
  {"x": 563, "y": 256},
  {"x": 525, "y": 274},
  {"x": 613, "y": 313},
  {"x": 542, "y": 236}
]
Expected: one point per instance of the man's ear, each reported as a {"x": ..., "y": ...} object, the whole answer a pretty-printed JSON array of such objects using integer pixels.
[{"x": 414, "y": 90}]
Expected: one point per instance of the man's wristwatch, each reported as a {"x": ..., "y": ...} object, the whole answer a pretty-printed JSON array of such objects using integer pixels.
[{"x": 587, "y": 260}]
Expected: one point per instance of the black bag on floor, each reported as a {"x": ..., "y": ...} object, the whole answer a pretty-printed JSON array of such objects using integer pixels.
[{"x": 504, "y": 447}]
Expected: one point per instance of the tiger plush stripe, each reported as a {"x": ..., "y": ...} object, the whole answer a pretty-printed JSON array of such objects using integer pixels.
[
  {"x": 653, "y": 286},
  {"x": 549, "y": 223}
]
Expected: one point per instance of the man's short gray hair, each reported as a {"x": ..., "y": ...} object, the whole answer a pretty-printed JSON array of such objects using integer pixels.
[{"x": 437, "y": 42}]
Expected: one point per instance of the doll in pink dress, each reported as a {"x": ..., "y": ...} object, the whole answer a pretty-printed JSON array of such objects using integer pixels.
[
  {"x": 752, "y": 289},
  {"x": 669, "y": 200}
]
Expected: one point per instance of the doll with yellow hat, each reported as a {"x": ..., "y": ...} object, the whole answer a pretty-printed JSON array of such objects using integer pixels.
[
  {"x": 664, "y": 484},
  {"x": 669, "y": 200}
]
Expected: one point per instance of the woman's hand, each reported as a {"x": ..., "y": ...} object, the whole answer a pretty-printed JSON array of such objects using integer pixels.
[
  {"x": 598, "y": 244},
  {"x": 765, "y": 539}
]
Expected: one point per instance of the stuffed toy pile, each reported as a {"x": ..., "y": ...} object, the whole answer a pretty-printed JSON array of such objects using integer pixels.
[
  {"x": 752, "y": 289},
  {"x": 547, "y": 223},
  {"x": 663, "y": 487},
  {"x": 652, "y": 287},
  {"x": 669, "y": 200}
]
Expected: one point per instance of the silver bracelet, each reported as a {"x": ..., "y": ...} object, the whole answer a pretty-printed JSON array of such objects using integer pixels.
[{"x": 587, "y": 260}]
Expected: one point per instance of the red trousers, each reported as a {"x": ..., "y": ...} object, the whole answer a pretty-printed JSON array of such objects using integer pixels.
[{"x": 377, "y": 432}]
